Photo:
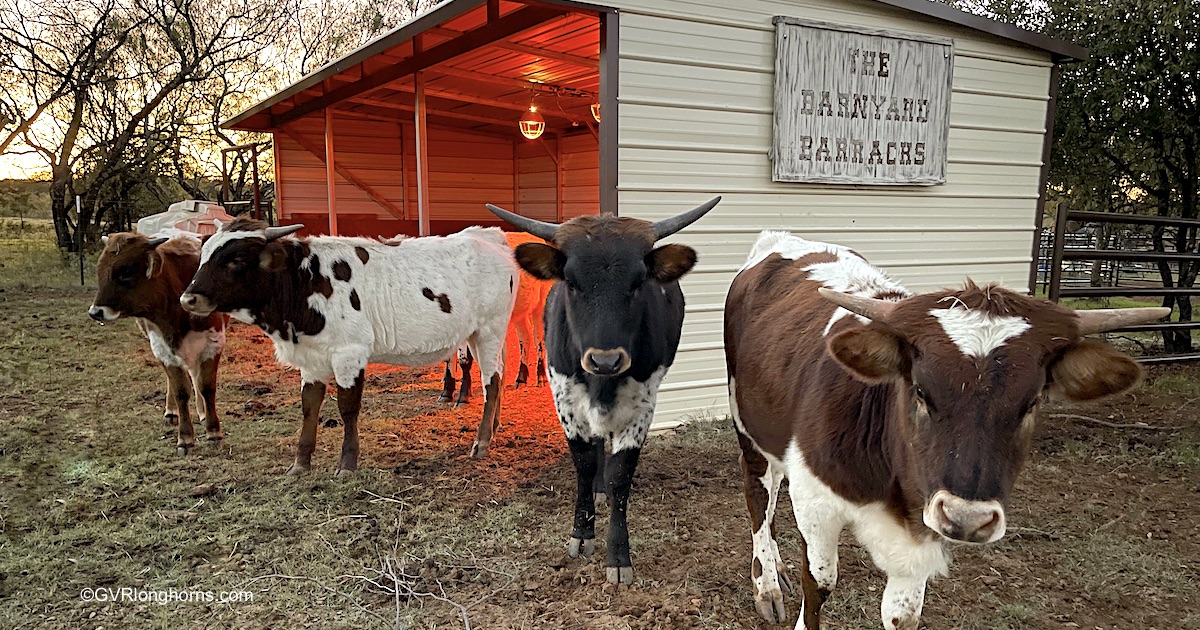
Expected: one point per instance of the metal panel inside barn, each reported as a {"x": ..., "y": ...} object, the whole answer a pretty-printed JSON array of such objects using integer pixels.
[{"x": 654, "y": 106}]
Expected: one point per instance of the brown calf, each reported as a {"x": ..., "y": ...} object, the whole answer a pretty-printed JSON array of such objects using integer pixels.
[
  {"x": 905, "y": 418},
  {"x": 527, "y": 321},
  {"x": 141, "y": 277}
]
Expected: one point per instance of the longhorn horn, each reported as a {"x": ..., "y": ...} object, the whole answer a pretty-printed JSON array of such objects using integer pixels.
[
  {"x": 1105, "y": 319},
  {"x": 155, "y": 242},
  {"x": 537, "y": 228},
  {"x": 872, "y": 308},
  {"x": 667, "y": 227},
  {"x": 273, "y": 233}
]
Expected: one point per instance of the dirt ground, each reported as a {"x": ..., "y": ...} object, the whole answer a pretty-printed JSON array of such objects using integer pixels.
[{"x": 1104, "y": 525}]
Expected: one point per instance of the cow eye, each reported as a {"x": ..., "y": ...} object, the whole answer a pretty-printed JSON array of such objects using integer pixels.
[{"x": 125, "y": 275}]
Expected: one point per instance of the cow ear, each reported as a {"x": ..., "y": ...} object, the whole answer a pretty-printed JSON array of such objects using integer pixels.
[
  {"x": 669, "y": 262},
  {"x": 154, "y": 263},
  {"x": 1090, "y": 370},
  {"x": 272, "y": 258},
  {"x": 541, "y": 261},
  {"x": 871, "y": 354}
]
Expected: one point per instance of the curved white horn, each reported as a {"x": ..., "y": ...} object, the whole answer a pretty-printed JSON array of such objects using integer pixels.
[
  {"x": 537, "y": 228},
  {"x": 1104, "y": 319},
  {"x": 273, "y": 233},
  {"x": 667, "y": 227},
  {"x": 871, "y": 308}
]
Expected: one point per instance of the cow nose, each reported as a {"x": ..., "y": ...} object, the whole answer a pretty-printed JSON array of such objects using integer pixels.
[
  {"x": 188, "y": 300},
  {"x": 606, "y": 362},
  {"x": 963, "y": 520},
  {"x": 96, "y": 313}
]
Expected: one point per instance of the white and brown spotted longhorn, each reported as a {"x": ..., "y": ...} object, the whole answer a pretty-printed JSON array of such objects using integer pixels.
[{"x": 903, "y": 417}]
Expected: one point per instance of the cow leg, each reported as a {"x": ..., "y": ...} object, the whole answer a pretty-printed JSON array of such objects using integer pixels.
[
  {"x": 178, "y": 383},
  {"x": 525, "y": 343},
  {"x": 465, "y": 361},
  {"x": 908, "y": 563},
  {"x": 541, "y": 362},
  {"x": 583, "y": 531},
  {"x": 205, "y": 380},
  {"x": 349, "y": 402},
  {"x": 448, "y": 384},
  {"x": 761, "y": 482},
  {"x": 599, "y": 485},
  {"x": 171, "y": 412},
  {"x": 820, "y": 527},
  {"x": 312, "y": 394},
  {"x": 619, "y": 476},
  {"x": 491, "y": 417},
  {"x": 522, "y": 368}
]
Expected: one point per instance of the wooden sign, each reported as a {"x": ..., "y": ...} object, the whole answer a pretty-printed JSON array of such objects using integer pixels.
[{"x": 860, "y": 106}]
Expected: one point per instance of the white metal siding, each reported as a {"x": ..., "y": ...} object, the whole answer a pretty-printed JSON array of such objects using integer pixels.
[{"x": 696, "y": 91}]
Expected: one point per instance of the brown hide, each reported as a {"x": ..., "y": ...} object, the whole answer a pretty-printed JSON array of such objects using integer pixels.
[
  {"x": 920, "y": 415},
  {"x": 138, "y": 280}
]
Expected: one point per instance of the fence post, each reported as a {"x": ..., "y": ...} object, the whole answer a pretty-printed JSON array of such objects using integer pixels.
[
  {"x": 1056, "y": 256},
  {"x": 79, "y": 236}
]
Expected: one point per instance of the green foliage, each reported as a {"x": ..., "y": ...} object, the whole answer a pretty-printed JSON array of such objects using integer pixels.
[{"x": 24, "y": 199}]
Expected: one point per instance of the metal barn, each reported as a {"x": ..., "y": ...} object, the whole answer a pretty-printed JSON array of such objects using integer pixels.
[{"x": 915, "y": 133}]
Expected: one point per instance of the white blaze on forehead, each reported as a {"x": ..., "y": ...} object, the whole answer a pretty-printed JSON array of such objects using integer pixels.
[
  {"x": 216, "y": 241},
  {"x": 976, "y": 333}
]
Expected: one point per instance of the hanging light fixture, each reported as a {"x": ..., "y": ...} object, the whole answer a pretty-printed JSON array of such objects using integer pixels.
[
  {"x": 596, "y": 111},
  {"x": 532, "y": 124}
]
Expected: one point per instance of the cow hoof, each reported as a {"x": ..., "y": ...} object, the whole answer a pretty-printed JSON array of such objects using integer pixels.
[
  {"x": 620, "y": 575},
  {"x": 772, "y": 609},
  {"x": 183, "y": 449},
  {"x": 444, "y": 398},
  {"x": 295, "y": 470},
  {"x": 171, "y": 420},
  {"x": 478, "y": 451},
  {"x": 343, "y": 472},
  {"x": 585, "y": 547},
  {"x": 785, "y": 584},
  {"x": 216, "y": 441},
  {"x": 461, "y": 403}
]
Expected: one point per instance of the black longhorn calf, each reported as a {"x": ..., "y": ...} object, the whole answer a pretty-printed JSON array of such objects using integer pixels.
[{"x": 613, "y": 322}]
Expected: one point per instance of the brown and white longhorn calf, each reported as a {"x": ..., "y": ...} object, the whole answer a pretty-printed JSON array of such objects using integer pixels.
[
  {"x": 143, "y": 277},
  {"x": 903, "y": 417}
]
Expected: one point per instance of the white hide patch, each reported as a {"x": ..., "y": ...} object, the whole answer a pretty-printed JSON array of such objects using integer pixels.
[
  {"x": 625, "y": 424},
  {"x": 108, "y": 313},
  {"x": 850, "y": 273},
  {"x": 822, "y": 516},
  {"x": 196, "y": 347},
  {"x": 474, "y": 270},
  {"x": 216, "y": 241},
  {"x": 976, "y": 333}
]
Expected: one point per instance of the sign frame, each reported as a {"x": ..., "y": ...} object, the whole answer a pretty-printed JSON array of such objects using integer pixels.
[{"x": 788, "y": 99}]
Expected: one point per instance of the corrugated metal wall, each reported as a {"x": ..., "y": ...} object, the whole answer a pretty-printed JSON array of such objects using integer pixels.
[
  {"x": 538, "y": 180},
  {"x": 696, "y": 87},
  {"x": 466, "y": 170}
]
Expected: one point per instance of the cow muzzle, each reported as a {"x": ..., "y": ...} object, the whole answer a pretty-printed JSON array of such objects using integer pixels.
[
  {"x": 605, "y": 362},
  {"x": 103, "y": 313},
  {"x": 196, "y": 304},
  {"x": 961, "y": 520}
]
